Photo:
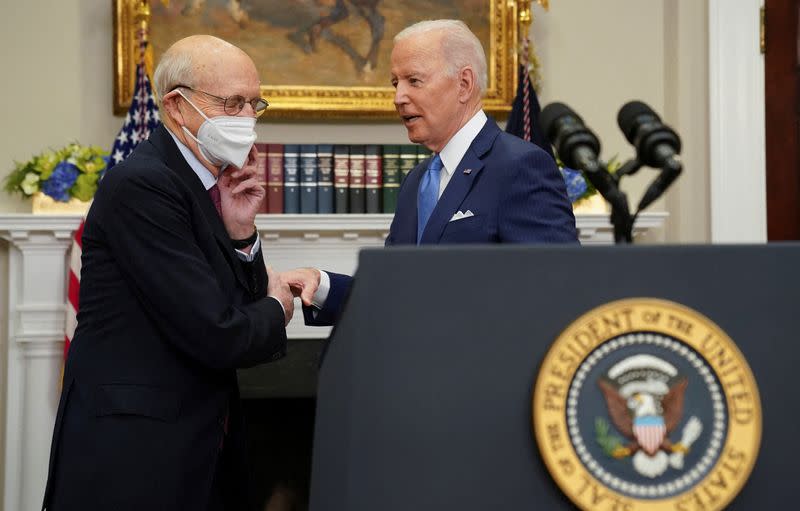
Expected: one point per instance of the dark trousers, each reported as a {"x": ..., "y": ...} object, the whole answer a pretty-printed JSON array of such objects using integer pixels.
[{"x": 216, "y": 500}]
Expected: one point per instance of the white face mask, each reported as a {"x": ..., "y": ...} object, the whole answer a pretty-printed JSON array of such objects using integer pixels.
[{"x": 224, "y": 140}]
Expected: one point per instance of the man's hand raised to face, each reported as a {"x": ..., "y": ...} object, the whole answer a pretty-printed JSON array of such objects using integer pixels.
[{"x": 241, "y": 193}]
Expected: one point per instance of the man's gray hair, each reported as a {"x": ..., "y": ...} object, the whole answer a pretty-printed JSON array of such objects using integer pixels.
[
  {"x": 460, "y": 46},
  {"x": 174, "y": 68}
]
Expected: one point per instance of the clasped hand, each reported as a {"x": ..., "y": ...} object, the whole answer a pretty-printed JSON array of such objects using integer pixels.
[
  {"x": 302, "y": 282},
  {"x": 279, "y": 289}
]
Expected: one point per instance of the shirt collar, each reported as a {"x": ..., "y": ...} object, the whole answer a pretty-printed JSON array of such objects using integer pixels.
[
  {"x": 205, "y": 175},
  {"x": 456, "y": 148}
]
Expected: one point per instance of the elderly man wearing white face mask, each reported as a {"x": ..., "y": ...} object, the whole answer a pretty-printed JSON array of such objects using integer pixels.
[{"x": 174, "y": 298}]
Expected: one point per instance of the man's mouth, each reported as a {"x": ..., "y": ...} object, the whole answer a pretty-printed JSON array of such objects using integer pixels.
[{"x": 409, "y": 119}]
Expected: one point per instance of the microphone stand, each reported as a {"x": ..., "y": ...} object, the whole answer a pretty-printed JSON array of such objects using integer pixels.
[
  {"x": 607, "y": 185},
  {"x": 621, "y": 218},
  {"x": 622, "y": 221}
]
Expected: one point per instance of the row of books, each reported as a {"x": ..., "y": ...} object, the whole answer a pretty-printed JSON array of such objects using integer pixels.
[{"x": 304, "y": 178}]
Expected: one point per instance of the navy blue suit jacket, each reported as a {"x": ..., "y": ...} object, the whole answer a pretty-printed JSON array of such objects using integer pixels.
[
  {"x": 513, "y": 189},
  {"x": 150, "y": 406}
]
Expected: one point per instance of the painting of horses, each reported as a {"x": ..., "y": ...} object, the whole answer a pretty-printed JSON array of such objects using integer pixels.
[
  {"x": 331, "y": 57},
  {"x": 311, "y": 42}
]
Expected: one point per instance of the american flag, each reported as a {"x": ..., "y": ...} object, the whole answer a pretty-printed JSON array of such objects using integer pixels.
[
  {"x": 523, "y": 121},
  {"x": 141, "y": 120}
]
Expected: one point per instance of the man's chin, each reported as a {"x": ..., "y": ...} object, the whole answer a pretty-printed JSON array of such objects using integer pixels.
[{"x": 415, "y": 136}]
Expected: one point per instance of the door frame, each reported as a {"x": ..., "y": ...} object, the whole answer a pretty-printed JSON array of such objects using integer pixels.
[{"x": 736, "y": 123}]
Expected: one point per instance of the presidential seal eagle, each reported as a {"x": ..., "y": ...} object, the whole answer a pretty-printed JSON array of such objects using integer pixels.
[{"x": 645, "y": 397}]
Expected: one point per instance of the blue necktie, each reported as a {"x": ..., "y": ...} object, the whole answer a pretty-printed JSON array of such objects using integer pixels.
[{"x": 428, "y": 194}]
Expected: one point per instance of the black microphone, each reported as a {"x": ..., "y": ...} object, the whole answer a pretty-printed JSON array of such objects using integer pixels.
[
  {"x": 578, "y": 147},
  {"x": 657, "y": 145}
]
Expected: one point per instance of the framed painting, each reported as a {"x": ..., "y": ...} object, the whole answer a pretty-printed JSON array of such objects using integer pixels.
[{"x": 320, "y": 58}]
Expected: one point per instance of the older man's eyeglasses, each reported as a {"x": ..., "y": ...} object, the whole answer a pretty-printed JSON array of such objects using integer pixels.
[{"x": 234, "y": 104}]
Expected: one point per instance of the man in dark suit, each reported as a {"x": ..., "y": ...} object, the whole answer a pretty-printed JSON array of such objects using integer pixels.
[
  {"x": 481, "y": 185},
  {"x": 174, "y": 297}
]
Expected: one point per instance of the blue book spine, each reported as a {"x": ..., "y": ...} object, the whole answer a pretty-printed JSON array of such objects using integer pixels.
[
  {"x": 325, "y": 179},
  {"x": 291, "y": 179},
  {"x": 308, "y": 179}
]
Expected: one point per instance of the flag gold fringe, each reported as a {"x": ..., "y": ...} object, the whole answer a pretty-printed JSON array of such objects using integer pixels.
[{"x": 526, "y": 19}]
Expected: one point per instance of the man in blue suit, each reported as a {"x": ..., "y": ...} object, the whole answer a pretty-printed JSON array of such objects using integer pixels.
[{"x": 481, "y": 185}]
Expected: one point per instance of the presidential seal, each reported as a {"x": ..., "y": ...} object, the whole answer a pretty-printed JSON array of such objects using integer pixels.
[{"x": 647, "y": 404}]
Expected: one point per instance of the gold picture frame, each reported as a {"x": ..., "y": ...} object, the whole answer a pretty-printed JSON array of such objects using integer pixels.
[{"x": 315, "y": 100}]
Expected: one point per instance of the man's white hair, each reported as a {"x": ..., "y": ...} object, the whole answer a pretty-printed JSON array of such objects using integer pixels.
[
  {"x": 174, "y": 68},
  {"x": 460, "y": 46}
]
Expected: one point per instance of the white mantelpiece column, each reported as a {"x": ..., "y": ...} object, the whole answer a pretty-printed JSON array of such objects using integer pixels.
[{"x": 35, "y": 342}]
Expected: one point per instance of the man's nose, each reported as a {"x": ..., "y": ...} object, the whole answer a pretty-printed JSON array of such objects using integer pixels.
[
  {"x": 400, "y": 96},
  {"x": 247, "y": 111}
]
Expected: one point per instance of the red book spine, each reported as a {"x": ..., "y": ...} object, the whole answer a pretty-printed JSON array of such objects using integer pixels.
[
  {"x": 275, "y": 178},
  {"x": 341, "y": 171},
  {"x": 263, "y": 175},
  {"x": 357, "y": 181},
  {"x": 374, "y": 170}
]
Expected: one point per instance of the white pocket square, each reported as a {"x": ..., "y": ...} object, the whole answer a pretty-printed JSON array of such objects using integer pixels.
[{"x": 461, "y": 215}]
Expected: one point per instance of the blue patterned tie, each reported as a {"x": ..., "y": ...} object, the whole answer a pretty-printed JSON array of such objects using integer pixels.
[{"x": 428, "y": 194}]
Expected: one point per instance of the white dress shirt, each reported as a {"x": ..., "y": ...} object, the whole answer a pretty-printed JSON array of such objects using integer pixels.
[
  {"x": 455, "y": 149},
  {"x": 451, "y": 155}
]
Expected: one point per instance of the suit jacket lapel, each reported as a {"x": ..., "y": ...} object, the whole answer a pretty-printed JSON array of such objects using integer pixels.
[
  {"x": 173, "y": 158},
  {"x": 460, "y": 183}
]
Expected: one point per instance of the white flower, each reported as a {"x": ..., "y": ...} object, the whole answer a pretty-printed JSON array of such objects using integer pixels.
[{"x": 30, "y": 184}]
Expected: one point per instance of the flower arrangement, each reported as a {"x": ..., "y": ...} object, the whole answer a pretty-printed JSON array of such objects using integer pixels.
[
  {"x": 62, "y": 174},
  {"x": 578, "y": 187}
]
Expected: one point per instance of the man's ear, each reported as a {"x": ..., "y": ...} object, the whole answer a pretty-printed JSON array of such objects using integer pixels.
[
  {"x": 170, "y": 104},
  {"x": 466, "y": 84}
]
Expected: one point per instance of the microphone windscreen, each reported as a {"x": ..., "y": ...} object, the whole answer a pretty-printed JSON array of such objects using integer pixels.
[
  {"x": 552, "y": 113},
  {"x": 626, "y": 118}
]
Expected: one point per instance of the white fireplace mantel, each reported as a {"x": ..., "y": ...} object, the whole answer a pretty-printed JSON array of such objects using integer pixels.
[{"x": 37, "y": 269}]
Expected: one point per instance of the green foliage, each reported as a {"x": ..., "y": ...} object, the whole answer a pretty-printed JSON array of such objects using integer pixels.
[
  {"x": 605, "y": 439},
  {"x": 85, "y": 186},
  {"x": 13, "y": 182},
  {"x": 28, "y": 178}
]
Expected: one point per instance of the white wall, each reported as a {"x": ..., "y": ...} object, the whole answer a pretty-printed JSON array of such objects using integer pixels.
[
  {"x": 686, "y": 107},
  {"x": 596, "y": 56}
]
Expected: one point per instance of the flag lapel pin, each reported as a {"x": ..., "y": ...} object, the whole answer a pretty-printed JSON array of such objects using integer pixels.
[{"x": 467, "y": 171}]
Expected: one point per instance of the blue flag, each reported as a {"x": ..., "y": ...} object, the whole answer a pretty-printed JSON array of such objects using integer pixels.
[{"x": 527, "y": 102}]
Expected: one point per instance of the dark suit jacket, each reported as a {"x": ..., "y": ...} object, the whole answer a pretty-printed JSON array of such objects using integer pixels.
[
  {"x": 167, "y": 313},
  {"x": 513, "y": 189}
]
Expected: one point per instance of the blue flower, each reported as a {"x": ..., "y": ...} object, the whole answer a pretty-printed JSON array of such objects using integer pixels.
[
  {"x": 576, "y": 184},
  {"x": 61, "y": 180}
]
